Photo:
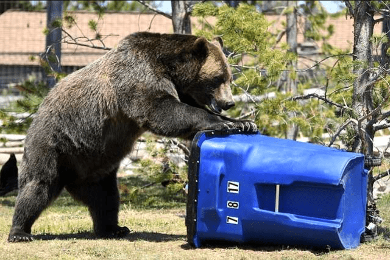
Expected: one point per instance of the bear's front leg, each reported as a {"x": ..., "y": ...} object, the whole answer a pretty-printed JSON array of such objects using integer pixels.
[{"x": 173, "y": 118}]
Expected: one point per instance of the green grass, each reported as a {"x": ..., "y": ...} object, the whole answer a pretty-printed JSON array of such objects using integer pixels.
[
  {"x": 137, "y": 191},
  {"x": 64, "y": 231}
]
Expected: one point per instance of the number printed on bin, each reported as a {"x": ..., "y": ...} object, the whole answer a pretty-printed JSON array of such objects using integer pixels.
[
  {"x": 233, "y": 204},
  {"x": 231, "y": 220},
  {"x": 233, "y": 187}
]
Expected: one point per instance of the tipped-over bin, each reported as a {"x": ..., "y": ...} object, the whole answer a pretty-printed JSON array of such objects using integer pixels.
[{"x": 253, "y": 188}]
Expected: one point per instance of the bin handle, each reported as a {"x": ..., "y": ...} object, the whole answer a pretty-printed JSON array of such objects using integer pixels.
[{"x": 277, "y": 192}]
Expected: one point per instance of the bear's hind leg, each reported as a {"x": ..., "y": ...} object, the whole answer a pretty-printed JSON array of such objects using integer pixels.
[
  {"x": 102, "y": 199},
  {"x": 32, "y": 199}
]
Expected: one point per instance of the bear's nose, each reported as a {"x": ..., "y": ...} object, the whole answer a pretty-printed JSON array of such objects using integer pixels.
[{"x": 229, "y": 105}]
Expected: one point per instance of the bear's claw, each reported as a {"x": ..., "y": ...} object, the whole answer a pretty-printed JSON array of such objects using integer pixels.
[
  {"x": 17, "y": 235},
  {"x": 246, "y": 126}
]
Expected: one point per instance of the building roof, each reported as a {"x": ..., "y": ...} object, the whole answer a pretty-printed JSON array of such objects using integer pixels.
[{"x": 21, "y": 34}]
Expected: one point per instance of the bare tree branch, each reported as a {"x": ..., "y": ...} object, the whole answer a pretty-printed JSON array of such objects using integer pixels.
[
  {"x": 155, "y": 10},
  {"x": 341, "y": 128},
  {"x": 358, "y": 123},
  {"x": 350, "y": 8},
  {"x": 250, "y": 97},
  {"x": 327, "y": 57},
  {"x": 75, "y": 41},
  {"x": 87, "y": 45},
  {"x": 279, "y": 37},
  {"x": 246, "y": 115},
  {"x": 381, "y": 175},
  {"x": 379, "y": 20},
  {"x": 181, "y": 146},
  {"x": 380, "y": 117},
  {"x": 384, "y": 115},
  {"x": 381, "y": 126},
  {"x": 314, "y": 95},
  {"x": 191, "y": 5}
]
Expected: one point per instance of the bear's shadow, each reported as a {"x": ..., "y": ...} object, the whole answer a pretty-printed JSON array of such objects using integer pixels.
[{"x": 146, "y": 236}]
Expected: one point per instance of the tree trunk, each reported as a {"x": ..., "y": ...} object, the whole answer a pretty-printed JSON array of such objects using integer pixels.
[
  {"x": 53, "y": 39},
  {"x": 291, "y": 34},
  {"x": 362, "y": 102},
  {"x": 181, "y": 17}
]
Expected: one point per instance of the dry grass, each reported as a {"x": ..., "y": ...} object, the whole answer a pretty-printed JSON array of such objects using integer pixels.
[{"x": 64, "y": 232}]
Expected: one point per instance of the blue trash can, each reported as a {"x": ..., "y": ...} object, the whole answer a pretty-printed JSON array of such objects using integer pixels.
[{"x": 249, "y": 188}]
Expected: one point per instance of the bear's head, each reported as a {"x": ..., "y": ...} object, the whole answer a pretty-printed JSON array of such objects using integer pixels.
[{"x": 208, "y": 77}]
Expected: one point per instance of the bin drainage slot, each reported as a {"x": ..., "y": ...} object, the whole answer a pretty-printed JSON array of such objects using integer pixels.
[{"x": 277, "y": 198}]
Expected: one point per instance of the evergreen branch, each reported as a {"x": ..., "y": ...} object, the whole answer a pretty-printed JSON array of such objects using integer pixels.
[{"x": 154, "y": 9}]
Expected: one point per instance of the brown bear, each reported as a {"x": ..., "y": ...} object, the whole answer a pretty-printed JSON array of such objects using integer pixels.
[{"x": 169, "y": 84}]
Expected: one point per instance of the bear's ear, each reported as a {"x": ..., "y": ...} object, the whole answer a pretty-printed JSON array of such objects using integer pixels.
[
  {"x": 200, "y": 46},
  {"x": 218, "y": 41}
]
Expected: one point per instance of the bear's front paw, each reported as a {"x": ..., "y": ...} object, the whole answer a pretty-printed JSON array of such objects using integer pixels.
[
  {"x": 246, "y": 126},
  {"x": 18, "y": 235}
]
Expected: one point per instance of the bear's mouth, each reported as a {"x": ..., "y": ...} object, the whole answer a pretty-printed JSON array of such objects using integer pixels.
[{"x": 214, "y": 107}]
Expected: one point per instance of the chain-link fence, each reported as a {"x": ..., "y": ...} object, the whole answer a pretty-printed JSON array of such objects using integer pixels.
[{"x": 85, "y": 37}]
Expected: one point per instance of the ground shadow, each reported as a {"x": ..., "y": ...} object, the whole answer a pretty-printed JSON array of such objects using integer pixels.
[
  {"x": 384, "y": 231},
  {"x": 9, "y": 199},
  {"x": 154, "y": 237},
  {"x": 257, "y": 247},
  {"x": 7, "y": 202},
  {"x": 145, "y": 236},
  {"x": 81, "y": 235}
]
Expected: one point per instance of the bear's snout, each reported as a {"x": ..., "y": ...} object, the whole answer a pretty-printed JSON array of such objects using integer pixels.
[{"x": 229, "y": 105}]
